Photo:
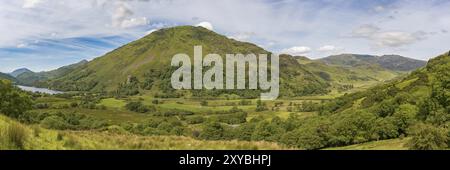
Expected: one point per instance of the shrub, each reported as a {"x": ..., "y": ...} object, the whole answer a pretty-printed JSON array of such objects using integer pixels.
[
  {"x": 155, "y": 101},
  {"x": 55, "y": 122},
  {"x": 427, "y": 137},
  {"x": 74, "y": 104},
  {"x": 137, "y": 107},
  {"x": 195, "y": 120},
  {"x": 41, "y": 106},
  {"x": 13, "y": 103},
  {"x": 212, "y": 131}
]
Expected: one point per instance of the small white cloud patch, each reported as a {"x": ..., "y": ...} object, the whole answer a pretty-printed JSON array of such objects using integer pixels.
[
  {"x": 365, "y": 31},
  {"x": 327, "y": 48},
  {"x": 378, "y": 8},
  {"x": 31, "y": 3},
  {"x": 121, "y": 17},
  {"x": 22, "y": 45},
  {"x": 206, "y": 25},
  {"x": 297, "y": 50},
  {"x": 134, "y": 22}
]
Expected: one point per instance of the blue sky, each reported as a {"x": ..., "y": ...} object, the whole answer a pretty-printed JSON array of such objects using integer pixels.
[{"x": 47, "y": 34}]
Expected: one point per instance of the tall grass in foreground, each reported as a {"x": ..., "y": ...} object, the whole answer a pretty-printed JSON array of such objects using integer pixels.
[{"x": 14, "y": 135}]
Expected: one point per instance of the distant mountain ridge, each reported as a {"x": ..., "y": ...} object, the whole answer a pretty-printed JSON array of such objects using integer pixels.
[
  {"x": 20, "y": 71},
  {"x": 39, "y": 78},
  {"x": 391, "y": 62}
]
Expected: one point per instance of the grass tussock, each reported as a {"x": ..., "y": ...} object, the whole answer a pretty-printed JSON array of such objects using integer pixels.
[{"x": 14, "y": 135}]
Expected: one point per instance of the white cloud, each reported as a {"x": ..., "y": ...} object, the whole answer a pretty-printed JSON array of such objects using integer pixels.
[
  {"x": 327, "y": 48},
  {"x": 379, "y": 8},
  {"x": 121, "y": 13},
  {"x": 22, "y": 45},
  {"x": 365, "y": 31},
  {"x": 382, "y": 38},
  {"x": 297, "y": 50},
  {"x": 397, "y": 38},
  {"x": 134, "y": 22},
  {"x": 121, "y": 17},
  {"x": 31, "y": 3},
  {"x": 206, "y": 25}
]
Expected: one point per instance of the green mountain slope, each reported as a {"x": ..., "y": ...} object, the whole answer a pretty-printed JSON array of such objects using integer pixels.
[
  {"x": 349, "y": 79},
  {"x": 147, "y": 62},
  {"x": 390, "y": 62},
  {"x": 417, "y": 106},
  {"x": 7, "y": 77}
]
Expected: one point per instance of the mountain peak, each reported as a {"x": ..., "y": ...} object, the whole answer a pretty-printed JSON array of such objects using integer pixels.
[{"x": 20, "y": 71}]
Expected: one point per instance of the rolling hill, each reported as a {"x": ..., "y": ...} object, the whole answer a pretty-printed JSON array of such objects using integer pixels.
[
  {"x": 349, "y": 79},
  {"x": 147, "y": 61},
  {"x": 390, "y": 62}
]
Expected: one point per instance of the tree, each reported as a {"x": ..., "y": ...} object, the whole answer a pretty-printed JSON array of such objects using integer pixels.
[
  {"x": 386, "y": 108},
  {"x": 404, "y": 116},
  {"x": 267, "y": 131},
  {"x": 212, "y": 131},
  {"x": 305, "y": 138},
  {"x": 260, "y": 106},
  {"x": 137, "y": 107},
  {"x": 428, "y": 137},
  {"x": 13, "y": 102}
]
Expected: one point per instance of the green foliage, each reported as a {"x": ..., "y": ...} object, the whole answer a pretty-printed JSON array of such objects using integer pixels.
[
  {"x": 203, "y": 103},
  {"x": 212, "y": 131},
  {"x": 233, "y": 118},
  {"x": 195, "y": 119},
  {"x": 268, "y": 131},
  {"x": 405, "y": 116},
  {"x": 260, "y": 106},
  {"x": 137, "y": 106},
  {"x": 128, "y": 88},
  {"x": 63, "y": 121},
  {"x": 13, "y": 103},
  {"x": 428, "y": 137},
  {"x": 55, "y": 122}
]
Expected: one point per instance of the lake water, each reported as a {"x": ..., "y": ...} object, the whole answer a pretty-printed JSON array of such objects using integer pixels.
[{"x": 41, "y": 90}]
